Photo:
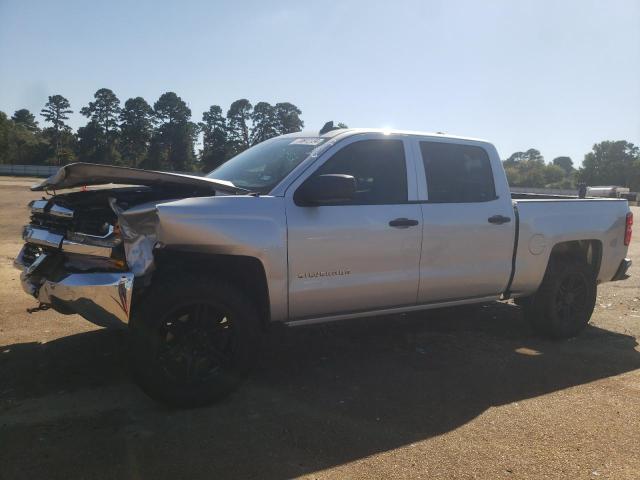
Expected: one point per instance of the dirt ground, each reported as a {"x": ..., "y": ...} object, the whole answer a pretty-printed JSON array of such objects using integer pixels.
[{"x": 456, "y": 393}]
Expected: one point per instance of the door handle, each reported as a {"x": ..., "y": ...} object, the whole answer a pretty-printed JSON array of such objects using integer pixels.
[
  {"x": 499, "y": 219},
  {"x": 403, "y": 223}
]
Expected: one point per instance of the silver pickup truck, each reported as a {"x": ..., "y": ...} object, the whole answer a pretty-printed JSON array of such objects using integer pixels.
[{"x": 308, "y": 228}]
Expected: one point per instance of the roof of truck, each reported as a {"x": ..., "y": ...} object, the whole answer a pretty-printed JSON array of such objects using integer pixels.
[{"x": 388, "y": 131}]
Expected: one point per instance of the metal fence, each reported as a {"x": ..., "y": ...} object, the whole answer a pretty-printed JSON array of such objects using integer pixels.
[{"x": 28, "y": 170}]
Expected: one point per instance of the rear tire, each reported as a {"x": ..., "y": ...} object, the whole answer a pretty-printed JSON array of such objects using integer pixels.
[
  {"x": 562, "y": 306},
  {"x": 193, "y": 340}
]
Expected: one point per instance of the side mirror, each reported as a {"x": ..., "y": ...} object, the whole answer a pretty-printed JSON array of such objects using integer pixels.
[{"x": 326, "y": 190}]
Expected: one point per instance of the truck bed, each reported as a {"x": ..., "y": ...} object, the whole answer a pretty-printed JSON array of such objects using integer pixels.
[
  {"x": 544, "y": 222},
  {"x": 540, "y": 196}
]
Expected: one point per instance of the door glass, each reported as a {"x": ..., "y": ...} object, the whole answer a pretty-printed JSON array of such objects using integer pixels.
[
  {"x": 457, "y": 173},
  {"x": 379, "y": 169}
]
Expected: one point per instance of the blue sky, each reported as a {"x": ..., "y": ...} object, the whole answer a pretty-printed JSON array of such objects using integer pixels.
[{"x": 553, "y": 75}]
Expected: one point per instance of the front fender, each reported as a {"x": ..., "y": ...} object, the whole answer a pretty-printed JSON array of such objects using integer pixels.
[{"x": 224, "y": 225}]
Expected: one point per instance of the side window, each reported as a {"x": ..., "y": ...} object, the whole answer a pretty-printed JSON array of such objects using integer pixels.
[
  {"x": 457, "y": 173},
  {"x": 379, "y": 168}
]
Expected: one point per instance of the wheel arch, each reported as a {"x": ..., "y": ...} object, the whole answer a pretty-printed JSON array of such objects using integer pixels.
[
  {"x": 588, "y": 251},
  {"x": 245, "y": 272}
]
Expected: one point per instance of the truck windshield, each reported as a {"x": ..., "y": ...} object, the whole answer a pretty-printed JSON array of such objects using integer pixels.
[{"x": 263, "y": 166}]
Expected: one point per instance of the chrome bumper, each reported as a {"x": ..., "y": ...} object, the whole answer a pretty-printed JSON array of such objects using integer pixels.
[
  {"x": 621, "y": 273},
  {"x": 103, "y": 298}
]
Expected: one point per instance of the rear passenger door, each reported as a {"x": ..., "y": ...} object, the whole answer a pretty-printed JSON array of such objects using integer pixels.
[
  {"x": 468, "y": 222},
  {"x": 362, "y": 254}
]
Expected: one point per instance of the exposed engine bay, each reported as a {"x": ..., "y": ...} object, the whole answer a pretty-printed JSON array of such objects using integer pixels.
[
  {"x": 83, "y": 249},
  {"x": 86, "y": 230}
]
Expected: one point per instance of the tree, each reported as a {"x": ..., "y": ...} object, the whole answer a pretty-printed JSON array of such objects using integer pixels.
[
  {"x": 565, "y": 163},
  {"x": 526, "y": 174},
  {"x": 56, "y": 111},
  {"x": 342, "y": 125},
  {"x": 532, "y": 155},
  {"x": 553, "y": 175},
  {"x": 612, "y": 163},
  {"x": 265, "y": 123},
  {"x": 214, "y": 139},
  {"x": 5, "y": 128},
  {"x": 171, "y": 109},
  {"x": 136, "y": 129},
  {"x": 238, "y": 118},
  {"x": 20, "y": 143},
  {"x": 172, "y": 143},
  {"x": 104, "y": 111},
  {"x": 97, "y": 140},
  {"x": 288, "y": 118},
  {"x": 26, "y": 119},
  {"x": 92, "y": 144}
]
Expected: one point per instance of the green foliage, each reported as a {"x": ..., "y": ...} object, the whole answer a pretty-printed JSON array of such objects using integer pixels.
[
  {"x": 266, "y": 122},
  {"x": 238, "y": 118},
  {"x": 528, "y": 169},
  {"x": 136, "y": 129},
  {"x": 97, "y": 140},
  {"x": 26, "y": 119},
  {"x": 172, "y": 142},
  {"x": 565, "y": 163},
  {"x": 612, "y": 163},
  {"x": 104, "y": 111},
  {"x": 19, "y": 143},
  {"x": 56, "y": 111},
  {"x": 163, "y": 138},
  {"x": 137, "y": 135},
  {"x": 531, "y": 155},
  {"x": 214, "y": 139},
  {"x": 288, "y": 118},
  {"x": 553, "y": 174}
]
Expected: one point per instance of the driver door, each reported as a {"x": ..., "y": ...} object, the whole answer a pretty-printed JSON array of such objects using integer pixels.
[{"x": 363, "y": 254}]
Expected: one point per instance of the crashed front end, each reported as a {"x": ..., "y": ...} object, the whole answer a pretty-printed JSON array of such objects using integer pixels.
[
  {"x": 74, "y": 262},
  {"x": 84, "y": 249}
]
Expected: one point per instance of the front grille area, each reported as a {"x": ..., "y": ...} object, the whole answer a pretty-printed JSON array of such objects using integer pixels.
[
  {"x": 90, "y": 222},
  {"x": 57, "y": 225}
]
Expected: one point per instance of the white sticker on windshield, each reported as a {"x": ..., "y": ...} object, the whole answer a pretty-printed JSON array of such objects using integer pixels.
[{"x": 307, "y": 141}]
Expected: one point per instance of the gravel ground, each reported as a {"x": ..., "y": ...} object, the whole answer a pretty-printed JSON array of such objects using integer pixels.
[{"x": 454, "y": 393}]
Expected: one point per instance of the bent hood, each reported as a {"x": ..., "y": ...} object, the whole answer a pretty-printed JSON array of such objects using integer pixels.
[{"x": 80, "y": 174}]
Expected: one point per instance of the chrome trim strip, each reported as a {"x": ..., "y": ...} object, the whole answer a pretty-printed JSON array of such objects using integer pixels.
[
  {"x": 39, "y": 236},
  {"x": 82, "y": 236},
  {"x": 38, "y": 206},
  {"x": 59, "y": 211},
  {"x": 86, "y": 249},
  {"x": 390, "y": 311}
]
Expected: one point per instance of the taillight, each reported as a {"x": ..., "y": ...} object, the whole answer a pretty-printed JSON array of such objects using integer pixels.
[{"x": 627, "y": 228}]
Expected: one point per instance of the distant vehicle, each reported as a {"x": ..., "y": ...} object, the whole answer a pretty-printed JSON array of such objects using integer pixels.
[
  {"x": 610, "y": 191},
  {"x": 307, "y": 228}
]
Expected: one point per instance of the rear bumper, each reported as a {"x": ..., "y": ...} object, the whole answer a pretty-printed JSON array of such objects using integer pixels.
[
  {"x": 103, "y": 298},
  {"x": 621, "y": 273}
]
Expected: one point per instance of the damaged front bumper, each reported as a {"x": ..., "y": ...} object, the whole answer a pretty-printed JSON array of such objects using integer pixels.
[{"x": 103, "y": 298}]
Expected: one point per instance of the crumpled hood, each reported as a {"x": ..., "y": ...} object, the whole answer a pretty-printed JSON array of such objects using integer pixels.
[{"x": 79, "y": 174}]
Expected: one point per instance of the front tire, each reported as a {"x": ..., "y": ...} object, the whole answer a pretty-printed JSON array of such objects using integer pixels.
[
  {"x": 193, "y": 340},
  {"x": 562, "y": 306}
]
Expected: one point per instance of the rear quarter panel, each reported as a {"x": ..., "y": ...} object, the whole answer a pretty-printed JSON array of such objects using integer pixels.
[{"x": 545, "y": 223}]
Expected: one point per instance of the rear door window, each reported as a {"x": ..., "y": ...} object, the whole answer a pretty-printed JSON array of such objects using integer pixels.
[{"x": 457, "y": 173}]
